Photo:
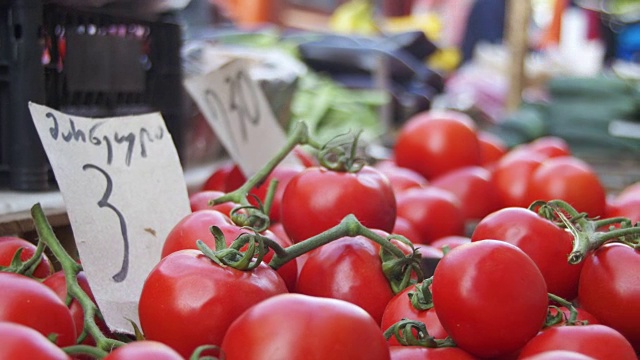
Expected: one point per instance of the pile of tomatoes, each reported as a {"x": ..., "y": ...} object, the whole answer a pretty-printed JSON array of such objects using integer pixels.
[{"x": 328, "y": 264}]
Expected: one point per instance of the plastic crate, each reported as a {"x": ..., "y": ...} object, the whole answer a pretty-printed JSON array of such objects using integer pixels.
[{"x": 86, "y": 62}]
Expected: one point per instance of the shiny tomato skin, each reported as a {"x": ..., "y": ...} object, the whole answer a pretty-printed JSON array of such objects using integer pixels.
[
  {"x": 432, "y": 211},
  {"x": 511, "y": 176},
  {"x": 492, "y": 148},
  {"x": 558, "y": 355},
  {"x": 200, "y": 201},
  {"x": 301, "y": 327},
  {"x": 10, "y": 244},
  {"x": 550, "y": 146},
  {"x": 317, "y": 199},
  {"x": 144, "y": 350},
  {"x": 628, "y": 207},
  {"x": 597, "y": 341},
  {"x": 405, "y": 228},
  {"x": 424, "y": 353},
  {"x": 546, "y": 244},
  {"x": 348, "y": 269},
  {"x": 436, "y": 142},
  {"x": 472, "y": 185},
  {"x": 570, "y": 179},
  {"x": 22, "y": 342},
  {"x": 188, "y": 301},
  {"x": 58, "y": 284},
  {"x": 28, "y": 302},
  {"x": 400, "y": 307},
  {"x": 609, "y": 289},
  {"x": 490, "y": 297}
]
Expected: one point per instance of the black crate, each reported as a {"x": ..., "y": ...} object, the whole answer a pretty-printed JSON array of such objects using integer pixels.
[{"x": 86, "y": 62}]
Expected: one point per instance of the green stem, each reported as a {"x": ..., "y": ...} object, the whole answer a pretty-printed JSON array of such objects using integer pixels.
[
  {"x": 414, "y": 333},
  {"x": 573, "y": 311},
  {"x": 29, "y": 266},
  {"x": 71, "y": 269},
  {"x": 421, "y": 298},
  {"x": 197, "y": 353},
  {"x": 92, "y": 351}
]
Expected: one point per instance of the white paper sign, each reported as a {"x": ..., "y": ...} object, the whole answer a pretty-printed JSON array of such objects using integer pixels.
[
  {"x": 124, "y": 190},
  {"x": 239, "y": 113},
  {"x": 626, "y": 129}
]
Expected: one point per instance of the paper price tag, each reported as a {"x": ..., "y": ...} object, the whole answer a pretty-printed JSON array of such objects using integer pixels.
[
  {"x": 239, "y": 113},
  {"x": 124, "y": 189}
]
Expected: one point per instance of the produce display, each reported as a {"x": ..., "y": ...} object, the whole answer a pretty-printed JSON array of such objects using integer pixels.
[{"x": 328, "y": 260}]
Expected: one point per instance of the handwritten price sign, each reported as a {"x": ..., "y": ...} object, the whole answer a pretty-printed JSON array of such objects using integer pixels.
[
  {"x": 239, "y": 113},
  {"x": 123, "y": 189}
]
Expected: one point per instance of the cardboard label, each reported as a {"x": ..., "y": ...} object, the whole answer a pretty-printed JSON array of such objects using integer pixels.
[
  {"x": 124, "y": 190},
  {"x": 239, "y": 113}
]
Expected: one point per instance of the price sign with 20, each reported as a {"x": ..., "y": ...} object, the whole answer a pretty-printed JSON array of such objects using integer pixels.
[
  {"x": 239, "y": 113},
  {"x": 111, "y": 173}
]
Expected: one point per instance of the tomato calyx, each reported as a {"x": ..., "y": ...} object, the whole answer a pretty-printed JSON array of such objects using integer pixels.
[
  {"x": 587, "y": 232},
  {"x": 422, "y": 298},
  {"x": 400, "y": 269},
  {"x": 27, "y": 267},
  {"x": 558, "y": 316},
  {"x": 231, "y": 255},
  {"x": 337, "y": 156},
  {"x": 414, "y": 333}
]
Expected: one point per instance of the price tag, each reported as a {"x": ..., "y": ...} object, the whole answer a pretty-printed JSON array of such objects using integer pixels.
[
  {"x": 239, "y": 113},
  {"x": 124, "y": 190},
  {"x": 625, "y": 129}
]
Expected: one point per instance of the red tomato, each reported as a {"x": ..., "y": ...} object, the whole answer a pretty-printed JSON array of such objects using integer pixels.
[
  {"x": 472, "y": 185},
  {"x": 629, "y": 192},
  {"x": 451, "y": 241},
  {"x": 511, "y": 176},
  {"x": 597, "y": 341},
  {"x": 492, "y": 148},
  {"x": 610, "y": 288},
  {"x": 432, "y": 211},
  {"x": 401, "y": 178},
  {"x": 10, "y": 244},
  {"x": 627, "y": 207},
  {"x": 490, "y": 297},
  {"x": 405, "y": 228},
  {"x": 400, "y": 307},
  {"x": 317, "y": 199},
  {"x": 58, "y": 284},
  {"x": 549, "y": 146},
  {"x": 546, "y": 244},
  {"x": 282, "y": 173},
  {"x": 217, "y": 179},
  {"x": 300, "y": 327},
  {"x": 583, "y": 316},
  {"x": 200, "y": 201},
  {"x": 348, "y": 269},
  {"x": 188, "y": 301},
  {"x": 558, "y": 355},
  {"x": 436, "y": 142},
  {"x": 425, "y": 353},
  {"x": 23, "y": 342},
  {"x": 570, "y": 179},
  {"x": 28, "y": 302},
  {"x": 143, "y": 350}
]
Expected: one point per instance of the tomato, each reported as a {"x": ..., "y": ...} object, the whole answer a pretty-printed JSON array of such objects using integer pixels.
[
  {"x": 547, "y": 245},
  {"x": 28, "y": 302},
  {"x": 317, "y": 199},
  {"x": 195, "y": 226},
  {"x": 436, "y": 142},
  {"x": 511, "y": 176},
  {"x": 23, "y": 342},
  {"x": 301, "y": 327},
  {"x": 558, "y": 355},
  {"x": 218, "y": 178},
  {"x": 432, "y": 211},
  {"x": 282, "y": 173},
  {"x": 200, "y": 201},
  {"x": 58, "y": 284},
  {"x": 451, "y": 241},
  {"x": 348, "y": 269},
  {"x": 472, "y": 185},
  {"x": 549, "y": 146},
  {"x": 401, "y": 178},
  {"x": 143, "y": 350},
  {"x": 490, "y": 297},
  {"x": 570, "y": 179},
  {"x": 597, "y": 341},
  {"x": 400, "y": 307},
  {"x": 419, "y": 352},
  {"x": 492, "y": 148},
  {"x": 188, "y": 301},
  {"x": 405, "y": 228},
  {"x": 609, "y": 289},
  {"x": 629, "y": 192},
  {"x": 10, "y": 244}
]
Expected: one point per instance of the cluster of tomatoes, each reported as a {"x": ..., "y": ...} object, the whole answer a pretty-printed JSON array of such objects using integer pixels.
[{"x": 327, "y": 264}]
